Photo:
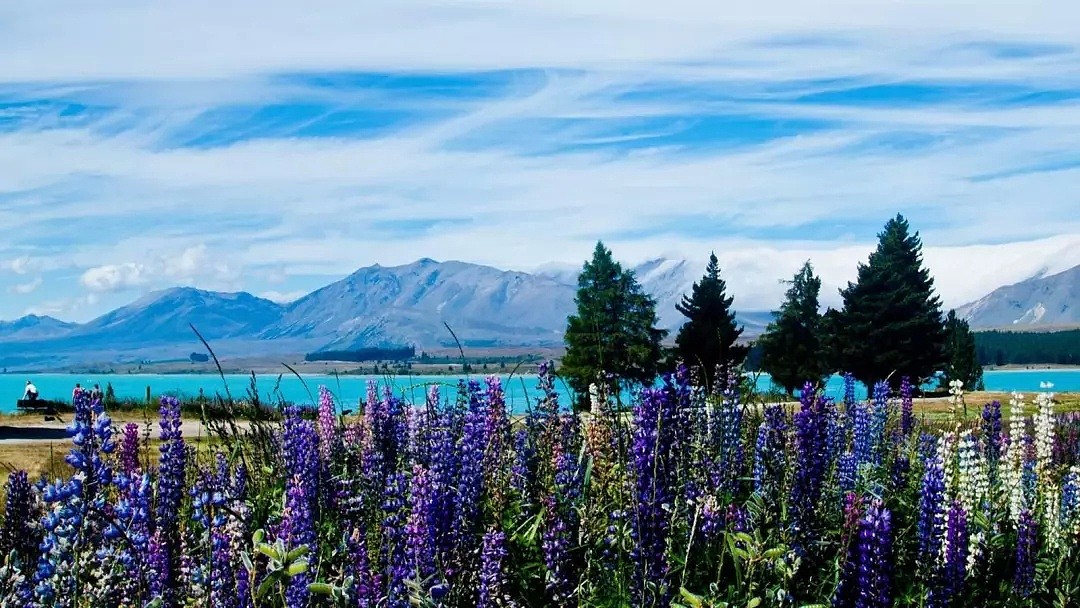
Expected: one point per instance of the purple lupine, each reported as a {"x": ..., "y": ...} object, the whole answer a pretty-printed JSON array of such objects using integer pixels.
[
  {"x": 1026, "y": 548},
  {"x": 907, "y": 410},
  {"x": 954, "y": 568},
  {"x": 654, "y": 478},
  {"x": 366, "y": 584},
  {"x": 223, "y": 573},
  {"x": 130, "y": 529},
  {"x": 158, "y": 566},
  {"x": 421, "y": 529},
  {"x": 865, "y": 578},
  {"x": 471, "y": 450},
  {"x": 992, "y": 438},
  {"x": 328, "y": 437},
  {"x": 847, "y": 586},
  {"x": 564, "y": 571},
  {"x": 17, "y": 534},
  {"x": 492, "y": 591},
  {"x": 931, "y": 524},
  {"x": 849, "y": 390},
  {"x": 129, "y": 449},
  {"x": 170, "y": 492},
  {"x": 394, "y": 563}
]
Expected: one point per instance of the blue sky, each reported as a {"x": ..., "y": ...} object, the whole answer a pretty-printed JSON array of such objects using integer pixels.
[{"x": 272, "y": 148}]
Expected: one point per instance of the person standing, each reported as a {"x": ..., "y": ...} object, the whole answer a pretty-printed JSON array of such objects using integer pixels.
[
  {"x": 96, "y": 394},
  {"x": 75, "y": 393}
]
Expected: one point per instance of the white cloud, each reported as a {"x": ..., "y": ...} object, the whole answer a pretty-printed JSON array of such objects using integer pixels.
[
  {"x": 115, "y": 277},
  {"x": 25, "y": 288}
]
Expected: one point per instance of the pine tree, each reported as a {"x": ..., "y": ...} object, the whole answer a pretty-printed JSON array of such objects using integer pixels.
[
  {"x": 792, "y": 345},
  {"x": 891, "y": 323},
  {"x": 707, "y": 338},
  {"x": 614, "y": 331},
  {"x": 961, "y": 358}
]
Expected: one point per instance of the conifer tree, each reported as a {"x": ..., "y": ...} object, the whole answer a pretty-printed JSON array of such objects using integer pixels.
[
  {"x": 961, "y": 358},
  {"x": 791, "y": 347},
  {"x": 614, "y": 331},
  {"x": 706, "y": 340},
  {"x": 891, "y": 325}
]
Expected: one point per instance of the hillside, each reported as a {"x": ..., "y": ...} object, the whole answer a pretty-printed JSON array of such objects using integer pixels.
[{"x": 1037, "y": 303}]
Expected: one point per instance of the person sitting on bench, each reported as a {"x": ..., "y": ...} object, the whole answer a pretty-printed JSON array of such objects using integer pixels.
[{"x": 31, "y": 393}]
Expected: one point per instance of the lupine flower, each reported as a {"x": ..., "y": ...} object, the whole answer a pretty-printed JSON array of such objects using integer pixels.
[
  {"x": 492, "y": 591},
  {"x": 1026, "y": 538},
  {"x": 17, "y": 533},
  {"x": 165, "y": 565},
  {"x": 396, "y": 567},
  {"x": 931, "y": 522},
  {"x": 652, "y": 463},
  {"x": 729, "y": 446},
  {"x": 1070, "y": 501},
  {"x": 300, "y": 452},
  {"x": 954, "y": 567},
  {"x": 1044, "y": 434},
  {"x": 866, "y": 576},
  {"x": 813, "y": 457},
  {"x": 562, "y": 526},
  {"x": 129, "y": 449},
  {"x": 769, "y": 454},
  {"x": 907, "y": 417},
  {"x": 847, "y": 471},
  {"x": 421, "y": 528},
  {"x": 328, "y": 439}
]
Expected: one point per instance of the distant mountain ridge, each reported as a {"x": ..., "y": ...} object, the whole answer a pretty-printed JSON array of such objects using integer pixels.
[
  {"x": 411, "y": 304},
  {"x": 1039, "y": 302}
]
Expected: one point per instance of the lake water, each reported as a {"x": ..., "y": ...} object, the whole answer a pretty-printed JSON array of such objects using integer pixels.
[{"x": 520, "y": 390}]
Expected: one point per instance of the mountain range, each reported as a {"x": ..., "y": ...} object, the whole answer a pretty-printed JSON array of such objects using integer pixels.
[{"x": 413, "y": 304}]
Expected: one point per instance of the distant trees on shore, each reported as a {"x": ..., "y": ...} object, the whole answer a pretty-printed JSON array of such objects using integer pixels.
[{"x": 889, "y": 327}]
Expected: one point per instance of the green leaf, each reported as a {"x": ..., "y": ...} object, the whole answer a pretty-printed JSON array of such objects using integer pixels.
[
  {"x": 297, "y": 568},
  {"x": 296, "y": 553},
  {"x": 754, "y": 603},
  {"x": 695, "y": 601},
  {"x": 321, "y": 589}
]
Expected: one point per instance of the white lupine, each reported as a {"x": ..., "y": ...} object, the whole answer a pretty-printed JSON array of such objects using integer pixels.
[
  {"x": 975, "y": 550},
  {"x": 1052, "y": 516},
  {"x": 1044, "y": 435},
  {"x": 956, "y": 397},
  {"x": 973, "y": 479},
  {"x": 1014, "y": 456}
]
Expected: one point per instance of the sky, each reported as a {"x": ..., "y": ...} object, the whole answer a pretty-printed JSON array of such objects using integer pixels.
[{"x": 274, "y": 147}]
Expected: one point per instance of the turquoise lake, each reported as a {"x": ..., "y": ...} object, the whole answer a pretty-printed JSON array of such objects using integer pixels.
[{"x": 520, "y": 390}]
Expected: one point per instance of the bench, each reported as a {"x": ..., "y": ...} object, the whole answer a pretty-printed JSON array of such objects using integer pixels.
[{"x": 43, "y": 406}]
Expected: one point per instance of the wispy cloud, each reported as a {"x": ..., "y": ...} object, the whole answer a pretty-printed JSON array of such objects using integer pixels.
[
  {"x": 517, "y": 134},
  {"x": 25, "y": 288}
]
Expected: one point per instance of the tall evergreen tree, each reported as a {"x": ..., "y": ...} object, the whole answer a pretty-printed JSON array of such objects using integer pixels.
[
  {"x": 961, "y": 358},
  {"x": 707, "y": 338},
  {"x": 791, "y": 347},
  {"x": 891, "y": 323},
  {"x": 614, "y": 331}
]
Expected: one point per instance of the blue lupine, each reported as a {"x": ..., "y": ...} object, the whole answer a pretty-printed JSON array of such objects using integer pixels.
[
  {"x": 931, "y": 524},
  {"x": 562, "y": 525},
  {"x": 769, "y": 454},
  {"x": 366, "y": 584},
  {"x": 1069, "y": 513},
  {"x": 879, "y": 419},
  {"x": 729, "y": 446},
  {"x": 471, "y": 450},
  {"x": 847, "y": 470},
  {"x": 300, "y": 451},
  {"x": 849, "y": 390},
  {"x": 1026, "y": 547},
  {"x": 813, "y": 457},
  {"x": 129, "y": 449}
]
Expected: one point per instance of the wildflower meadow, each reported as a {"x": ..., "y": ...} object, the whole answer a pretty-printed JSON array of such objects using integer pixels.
[{"x": 682, "y": 497}]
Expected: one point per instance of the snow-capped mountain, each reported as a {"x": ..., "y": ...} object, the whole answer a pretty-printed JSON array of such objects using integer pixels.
[{"x": 1036, "y": 303}]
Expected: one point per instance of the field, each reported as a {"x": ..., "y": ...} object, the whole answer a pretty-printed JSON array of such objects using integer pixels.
[{"x": 688, "y": 499}]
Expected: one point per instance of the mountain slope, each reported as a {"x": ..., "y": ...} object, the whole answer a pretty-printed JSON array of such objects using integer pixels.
[
  {"x": 1038, "y": 302},
  {"x": 380, "y": 306},
  {"x": 163, "y": 316},
  {"x": 33, "y": 327}
]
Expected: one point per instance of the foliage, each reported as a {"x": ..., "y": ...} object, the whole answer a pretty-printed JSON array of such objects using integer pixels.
[
  {"x": 791, "y": 347},
  {"x": 706, "y": 341},
  {"x": 612, "y": 338},
  {"x": 961, "y": 362},
  {"x": 364, "y": 354},
  {"x": 891, "y": 324},
  {"x": 693, "y": 499},
  {"x": 1023, "y": 348}
]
